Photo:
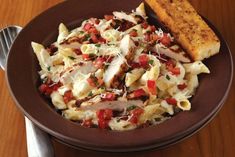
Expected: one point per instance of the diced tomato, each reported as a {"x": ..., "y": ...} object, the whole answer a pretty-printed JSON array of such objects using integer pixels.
[
  {"x": 102, "y": 40},
  {"x": 104, "y": 116},
  {"x": 108, "y": 96},
  {"x": 151, "y": 84},
  {"x": 135, "y": 114},
  {"x": 87, "y": 123},
  {"x": 87, "y": 26},
  {"x": 147, "y": 37},
  {"x": 152, "y": 28},
  {"x": 43, "y": 87},
  {"x": 94, "y": 38},
  {"x": 93, "y": 30},
  {"x": 175, "y": 71},
  {"x": 182, "y": 86},
  {"x": 99, "y": 62},
  {"x": 77, "y": 51},
  {"x": 138, "y": 93},
  {"x": 143, "y": 60},
  {"x": 68, "y": 95},
  {"x": 165, "y": 40},
  {"x": 100, "y": 81},
  {"x": 92, "y": 81},
  {"x": 144, "y": 25},
  {"x": 171, "y": 101},
  {"x": 170, "y": 64},
  {"x": 133, "y": 33},
  {"x": 155, "y": 37},
  {"x": 108, "y": 17},
  {"x": 48, "y": 89},
  {"x": 86, "y": 57}
]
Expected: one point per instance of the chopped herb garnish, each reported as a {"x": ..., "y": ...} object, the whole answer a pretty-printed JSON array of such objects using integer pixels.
[
  {"x": 82, "y": 32},
  {"x": 90, "y": 93},
  {"x": 102, "y": 87},
  {"x": 71, "y": 57},
  {"x": 49, "y": 68},
  {"x": 97, "y": 45},
  {"x": 168, "y": 77},
  {"x": 151, "y": 61},
  {"x": 131, "y": 108},
  {"x": 87, "y": 36}
]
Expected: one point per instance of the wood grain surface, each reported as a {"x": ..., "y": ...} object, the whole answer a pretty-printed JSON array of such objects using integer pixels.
[{"x": 217, "y": 139}]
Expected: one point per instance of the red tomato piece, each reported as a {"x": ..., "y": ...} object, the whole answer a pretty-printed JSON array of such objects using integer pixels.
[
  {"x": 152, "y": 28},
  {"x": 102, "y": 123},
  {"x": 175, "y": 71},
  {"x": 108, "y": 17},
  {"x": 68, "y": 95},
  {"x": 87, "y": 26},
  {"x": 151, "y": 84},
  {"x": 165, "y": 40},
  {"x": 138, "y": 93},
  {"x": 87, "y": 123},
  {"x": 92, "y": 81},
  {"x": 99, "y": 62},
  {"x": 171, "y": 101},
  {"x": 94, "y": 38},
  {"x": 143, "y": 60},
  {"x": 86, "y": 57},
  {"x": 109, "y": 96},
  {"x": 102, "y": 40},
  {"x": 133, "y": 33},
  {"x": 144, "y": 25},
  {"x": 93, "y": 30},
  {"x": 43, "y": 88},
  {"x": 135, "y": 114},
  {"x": 147, "y": 37},
  {"x": 182, "y": 86}
]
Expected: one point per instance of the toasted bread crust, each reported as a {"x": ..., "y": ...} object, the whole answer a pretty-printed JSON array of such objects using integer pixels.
[{"x": 187, "y": 27}]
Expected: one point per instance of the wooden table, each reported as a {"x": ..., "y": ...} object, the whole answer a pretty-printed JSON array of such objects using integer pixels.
[{"x": 217, "y": 139}]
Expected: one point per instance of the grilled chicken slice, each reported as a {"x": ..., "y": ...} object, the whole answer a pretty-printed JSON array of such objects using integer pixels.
[
  {"x": 114, "y": 105},
  {"x": 124, "y": 16},
  {"x": 118, "y": 66},
  {"x": 174, "y": 52},
  {"x": 72, "y": 74}
]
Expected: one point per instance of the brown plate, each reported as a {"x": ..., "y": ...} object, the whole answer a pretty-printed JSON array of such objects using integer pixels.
[{"x": 23, "y": 80}]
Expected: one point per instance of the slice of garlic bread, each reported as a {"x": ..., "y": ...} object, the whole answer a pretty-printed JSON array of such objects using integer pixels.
[{"x": 187, "y": 27}]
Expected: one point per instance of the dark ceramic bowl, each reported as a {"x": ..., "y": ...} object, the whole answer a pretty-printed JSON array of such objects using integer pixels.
[{"x": 23, "y": 80}]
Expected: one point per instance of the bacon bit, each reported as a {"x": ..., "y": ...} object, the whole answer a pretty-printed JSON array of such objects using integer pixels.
[
  {"x": 147, "y": 37},
  {"x": 108, "y": 97},
  {"x": 182, "y": 86},
  {"x": 77, "y": 51},
  {"x": 104, "y": 116},
  {"x": 171, "y": 101},
  {"x": 139, "y": 92},
  {"x": 151, "y": 84},
  {"x": 170, "y": 65},
  {"x": 134, "y": 65},
  {"x": 87, "y": 26},
  {"x": 175, "y": 71},
  {"x": 154, "y": 37},
  {"x": 108, "y": 17},
  {"x": 87, "y": 123},
  {"x": 143, "y": 60},
  {"x": 165, "y": 40},
  {"x": 144, "y": 25},
  {"x": 133, "y": 33},
  {"x": 68, "y": 95},
  {"x": 135, "y": 114}
]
